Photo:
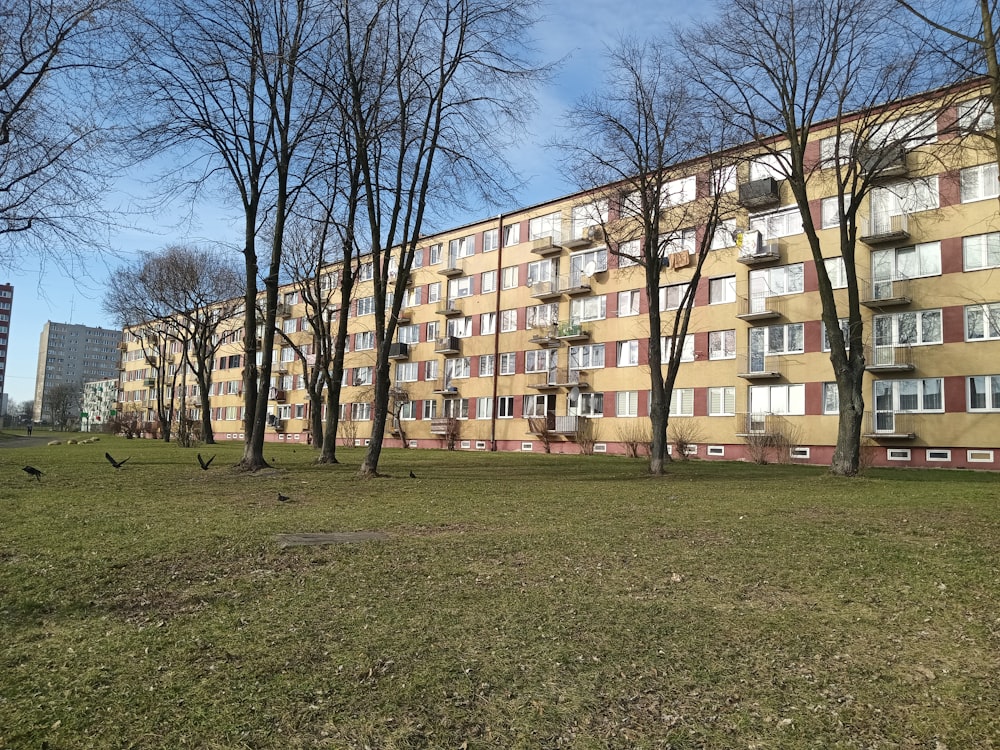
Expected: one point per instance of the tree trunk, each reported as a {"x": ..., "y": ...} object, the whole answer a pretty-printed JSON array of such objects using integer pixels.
[
  {"x": 369, "y": 466},
  {"x": 847, "y": 453}
]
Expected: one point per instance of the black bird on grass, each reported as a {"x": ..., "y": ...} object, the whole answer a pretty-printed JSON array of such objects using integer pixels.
[
  {"x": 205, "y": 464},
  {"x": 36, "y": 473},
  {"x": 283, "y": 498},
  {"x": 116, "y": 464},
  {"x": 412, "y": 475}
]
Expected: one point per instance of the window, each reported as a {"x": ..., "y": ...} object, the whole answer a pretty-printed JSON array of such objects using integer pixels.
[
  {"x": 979, "y": 183},
  {"x": 534, "y": 406},
  {"x": 511, "y": 234},
  {"x": 682, "y": 402},
  {"x": 490, "y": 240},
  {"x": 362, "y": 376},
  {"x": 938, "y": 454},
  {"x": 671, "y": 297},
  {"x": 549, "y": 225},
  {"x": 830, "y": 215},
  {"x": 509, "y": 279},
  {"x": 486, "y": 365},
  {"x": 508, "y": 363},
  {"x": 982, "y": 322},
  {"x": 907, "y": 262},
  {"x": 434, "y": 292},
  {"x": 487, "y": 323},
  {"x": 676, "y": 192},
  {"x": 975, "y": 115},
  {"x": 484, "y": 407},
  {"x": 904, "y": 197},
  {"x": 587, "y": 308},
  {"x": 667, "y": 349},
  {"x": 784, "y": 339},
  {"x": 721, "y": 290},
  {"x": 837, "y": 272},
  {"x": 462, "y": 247},
  {"x": 430, "y": 370},
  {"x": 629, "y": 253},
  {"x": 460, "y": 287},
  {"x": 772, "y": 282},
  {"x": 787, "y": 221},
  {"x": 906, "y": 396},
  {"x": 408, "y": 411},
  {"x": 628, "y": 353},
  {"x": 364, "y": 306},
  {"x": 364, "y": 340},
  {"x": 628, "y": 303},
  {"x": 488, "y": 282},
  {"x": 433, "y": 328},
  {"x": 984, "y": 393},
  {"x": 679, "y": 241},
  {"x": 588, "y": 215},
  {"x": 409, "y": 334},
  {"x": 586, "y": 405},
  {"x": 836, "y": 148},
  {"x": 722, "y": 401},
  {"x": 434, "y": 254},
  {"x": 778, "y": 399},
  {"x": 915, "y": 328},
  {"x": 457, "y": 368},
  {"x": 406, "y": 372},
  {"x": 542, "y": 315},
  {"x": 770, "y": 165},
  {"x": 845, "y": 331},
  {"x": 508, "y": 321},
  {"x": 366, "y": 271},
  {"x": 722, "y": 344},
  {"x": 505, "y": 407},
  {"x": 542, "y": 270},
  {"x": 723, "y": 180},
  {"x": 361, "y": 412},
  {"x": 460, "y": 327},
  {"x": 411, "y": 298},
  {"x": 430, "y": 409},
  {"x": 909, "y": 131},
  {"x": 831, "y": 399},
  {"x": 584, "y": 265},
  {"x": 586, "y": 357},
  {"x": 627, "y": 404},
  {"x": 725, "y": 234},
  {"x": 540, "y": 360},
  {"x": 981, "y": 251}
]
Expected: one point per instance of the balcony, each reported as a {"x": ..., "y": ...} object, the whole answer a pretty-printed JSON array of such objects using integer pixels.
[
  {"x": 884, "y": 162},
  {"x": 759, "y": 425},
  {"x": 546, "y": 246},
  {"x": 445, "y": 387},
  {"x": 441, "y": 425},
  {"x": 560, "y": 377},
  {"x": 451, "y": 267},
  {"x": 758, "y": 366},
  {"x": 545, "y": 336},
  {"x": 758, "y": 253},
  {"x": 559, "y": 425},
  {"x": 404, "y": 317},
  {"x": 447, "y": 309},
  {"x": 889, "y": 293},
  {"x": 588, "y": 237},
  {"x": 572, "y": 332},
  {"x": 882, "y": 229},
  {"x": 759, "y": 307},
  {"x": 149, "y": 383},
  {"x": 282, "y": 310},
  {"x": 889, "y": 425},
  {"x": 759, "y": 193},
  {"x": 399, "y": 393},
  {"x": 545, "y": 289},
  {"x": 399, "y": 350},
  {"x": 122, "y": 346},
  {"x": 276, "y": 394},
  {"x": 889, "y": 358},
  {"x": 448, "y": 345},
  {"x": 575, "y": 284}
]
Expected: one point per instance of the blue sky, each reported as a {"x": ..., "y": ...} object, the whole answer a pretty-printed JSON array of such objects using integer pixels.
[{"x": 576, "y": 30}]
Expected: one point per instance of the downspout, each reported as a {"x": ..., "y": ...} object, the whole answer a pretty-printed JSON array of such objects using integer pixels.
[{"x": 496, "y": 333}]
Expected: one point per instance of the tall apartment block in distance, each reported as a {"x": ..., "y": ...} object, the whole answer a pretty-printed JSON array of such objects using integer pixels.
[
  {"x": 525, "y": 329},
  {"x": 6, "y": 304},
  {"x": 72, "y": 354}
]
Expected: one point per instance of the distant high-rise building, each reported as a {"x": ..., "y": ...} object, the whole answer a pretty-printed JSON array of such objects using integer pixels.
[
  {"x": 6, "y": 301},
  {"x": 71, "y": 354}
]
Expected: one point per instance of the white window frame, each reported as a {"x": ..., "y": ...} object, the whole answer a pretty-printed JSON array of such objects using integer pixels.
[
  {"x": 721, "y": 290},
  {"x": 722, "y": 344},
  {"x": 682, "y": 402},
  {"x": 490, "y": 240},
  {"x": 509, "y": 277},
  {"x": 628, "y": 303},
  {"x": 785, "y": 222},
  {"x": 487, "y": 323},
  {"x": 989, "y": 316},
  {"x": 508, "y": 363},
  {"x": 627, "y": 404},
  {"x": 505, "y": 407},
  {"x": 584, "y": 309},
  {"x": 628, "y": 353},
  {"x": 990, "y": 390},
  {"x": 981, "y": 251},
  {"x": 586, "y": 357},
  {"x": 488, "y": 282},
  {"x": 549, "y": 225}
]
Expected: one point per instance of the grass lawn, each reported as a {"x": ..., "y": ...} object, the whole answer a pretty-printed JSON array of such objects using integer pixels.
[{"x": 519, "y": 601}]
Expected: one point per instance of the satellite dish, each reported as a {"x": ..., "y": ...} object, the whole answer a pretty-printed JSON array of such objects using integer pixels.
[
  {"x": 590, "y": 269},
  {"x": 574, "y": 394}
]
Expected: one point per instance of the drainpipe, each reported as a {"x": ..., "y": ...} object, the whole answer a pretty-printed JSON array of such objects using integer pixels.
[{"x": 496, "y": 333}]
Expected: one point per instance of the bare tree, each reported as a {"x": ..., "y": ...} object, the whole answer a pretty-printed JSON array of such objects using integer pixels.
[
  {"x": 431, "y": 87},
  {"x": 637, "y": 136},
  {"x": 53, "y": 164},
  {"x": 62, "y": 401},
  {"x": 838, "y": 63},
  {"x": 240, "y": 87}
]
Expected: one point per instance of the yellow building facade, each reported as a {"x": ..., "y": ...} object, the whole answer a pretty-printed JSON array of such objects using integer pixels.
[{"x": 524, "y": 331}]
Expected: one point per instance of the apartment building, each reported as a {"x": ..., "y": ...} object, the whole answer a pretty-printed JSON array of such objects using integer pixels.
[
  {"x": 98, "y": 404},
  {"x": 524, "y": 330},
  {"x": 73, "y": 354}
]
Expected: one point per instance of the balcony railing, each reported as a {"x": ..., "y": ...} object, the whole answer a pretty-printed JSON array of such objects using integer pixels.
[
  {"x": 757, "y": 366},
  {"x": 276, "y": 394},
  {"x": 545, "y": 335},
  {"x": 446, "y": 387},
  {"x": 759, "y": 193},
  {"x": 546, "y": 246},
  {"x": 752, "y": 254},
  {"x": 759, "y": 424},
  {"x": 885, "y": 228},
  {"x": 889, "y": 358},
  {"x": 451, "y": 267},
  {"x": 545, "y": 289},
  {"x": 575, "y": 283},
  {"x": 890, "y": 425},
  {"x": 884, "y": 162},
  {"x": 886, "y": 293},
  {"x": 759, "y": 306},
  {"x": 560, "y": 425},
  {"x": 560, "y": 377},
  {"x": 569, "y": 331},
  {"x": 448, "y": 345},
  {"x": 399, "y": 350}
]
